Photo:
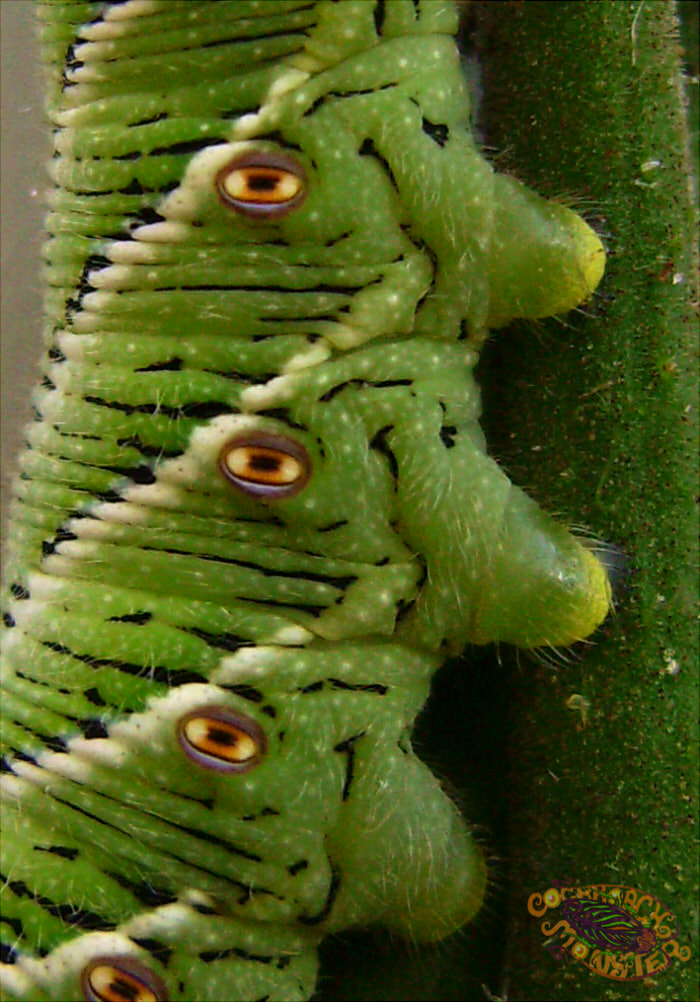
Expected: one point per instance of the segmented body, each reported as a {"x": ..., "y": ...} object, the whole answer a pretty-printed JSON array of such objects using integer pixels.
[{"x": 256, "y": 509}]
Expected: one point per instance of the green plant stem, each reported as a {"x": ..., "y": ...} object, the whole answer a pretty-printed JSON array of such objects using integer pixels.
[{"x": 603, "y": 751}]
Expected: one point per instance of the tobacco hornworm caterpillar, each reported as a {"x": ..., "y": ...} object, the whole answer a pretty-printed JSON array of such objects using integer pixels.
[{"x": 256, "y": 511}]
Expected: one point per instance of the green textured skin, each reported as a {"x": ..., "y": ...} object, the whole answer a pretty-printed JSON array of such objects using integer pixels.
[{"x": 141, "y": 586}]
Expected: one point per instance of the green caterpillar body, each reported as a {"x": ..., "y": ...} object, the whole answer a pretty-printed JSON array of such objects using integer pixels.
[{"x": 256, "y": 511}]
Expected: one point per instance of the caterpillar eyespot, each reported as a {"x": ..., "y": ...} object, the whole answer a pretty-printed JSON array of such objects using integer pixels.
[
  {"x": 216, "y": 738},
  {"x": 121, "y": 979},
  {"x": 265, "y": 466},
  {"x": 262, "y": 185}
]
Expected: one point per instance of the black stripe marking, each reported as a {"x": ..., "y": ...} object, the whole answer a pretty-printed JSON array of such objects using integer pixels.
[
  {"x": 447, "y": 435},
  {"x": 342, "y": 95},
  {"x": 83, "y": 436},
  {"x": 36, "y": 681},
  {"x": 204, "y": 411},
  {"x": 138, "y": 618},
  {"x": 241, "y": 377},
  {"x": 283, "y": 414},
  {"x": 159, "y": 673},
  {"x": 368, "y": 149},
  {"x": 330, "y": 900},
  {"x": 58, "y": 850},
  {"x": 236, "y": 42},
  {"x": 153, "y": 451},
  {"x": 55, "y": 354},
  {"x": 224, "y": 641},
  {"x": 48, "y": 546},
  {"x": 247, "y": 692},
  {"x": 204, "y": 909},
  {"x": 311, "y": 687},
  {"x": 247, "y": 891},
  {"x": 92, "y": 695},
  {"x": 21, "y": 756},
  {"x": 374, "y": 687},
  {"x": 277, "y": 319},
  {"x": 138, "y": 474},
  {"x": 341, "y": 583},
  {"x": 313, "y": 610},
  {"x": 403, "y": 607},
  {"x": 380, "y": 443},
  {"x": 331, "y": 243},
  {"x": 151, "y": 121},
  {"x": 379, "y": 14},
  {"x": 323, "y": 287},
  {"x": 8, "y": 954},
  {"x": 134, "y": 187},
  {"x": 364, "y": 384},
  {"x": 91, "y": 728},
  {"x": 52, "y": 742},
  {"x": 80, "y": 917},
  {"x": 219, "y": 842},
  {"x": 347, "y": 747},
  {"x": 275, "y": 136},
  {"x": 171, "y": 365},
  {"x": 95, "y": 262},
  {"x": 438, "y": 132},
  {"x": 15, "y": 924},
  {"x": 209, "y": 955},
  {"x": 186, "y": 146},
  {"x": 144, "y": 216},
  {"x": 155, "y": 948},
  {"x": 109, "y": 497}
]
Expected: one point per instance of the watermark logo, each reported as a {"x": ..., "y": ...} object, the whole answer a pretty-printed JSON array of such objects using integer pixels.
[{"x": 617, "y": 932}]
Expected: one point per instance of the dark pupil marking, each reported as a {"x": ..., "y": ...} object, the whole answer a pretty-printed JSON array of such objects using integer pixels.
[
  {"x": 227, "y": 743},
  {"x": 219, "y": 736},
  {"x": 267, "y": 466},
  {"x": 262, "y": 182},
  {"x": 126, "y": 990},
  {"x": 264, "y": 462}
]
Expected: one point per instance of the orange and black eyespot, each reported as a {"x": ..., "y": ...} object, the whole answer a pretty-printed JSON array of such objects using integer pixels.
[
  {"x": 262, "y": 185},
  {"x": 265, "y": 465},
  {"x": 121, "y": 979},
  {"x": 216, "y": 737}
]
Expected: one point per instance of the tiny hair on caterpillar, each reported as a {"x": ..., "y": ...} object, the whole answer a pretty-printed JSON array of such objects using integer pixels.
[{"x": 256, "y": 512}]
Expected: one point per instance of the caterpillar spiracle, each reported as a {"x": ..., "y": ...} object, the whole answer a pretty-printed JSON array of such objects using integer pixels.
[{"x": 256, "y": 511}]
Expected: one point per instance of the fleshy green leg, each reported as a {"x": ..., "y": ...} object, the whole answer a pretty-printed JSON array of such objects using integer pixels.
[
  {"x": 515, "y": 576},
  {"x": 423, "y": 872},
  {"x": 561, "y": 266}
]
